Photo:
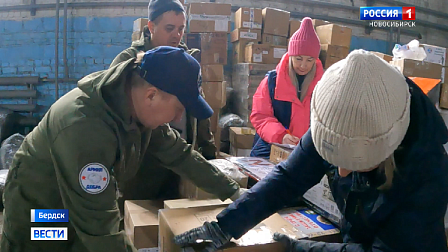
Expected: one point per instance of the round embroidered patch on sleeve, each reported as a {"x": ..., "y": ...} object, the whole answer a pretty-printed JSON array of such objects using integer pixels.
[{"x": 94, "y": 178}]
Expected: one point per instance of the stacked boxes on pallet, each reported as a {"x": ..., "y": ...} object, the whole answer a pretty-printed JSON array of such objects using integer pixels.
[{"x": 207, "y": 30}]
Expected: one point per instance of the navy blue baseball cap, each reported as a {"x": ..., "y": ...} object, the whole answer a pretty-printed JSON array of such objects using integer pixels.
[{"x": 174, "y": 71}]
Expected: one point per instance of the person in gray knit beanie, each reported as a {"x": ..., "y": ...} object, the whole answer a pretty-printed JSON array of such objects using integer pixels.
[
  {"x": 360, "y": 112},
  {"x": 379, "y": 139}
]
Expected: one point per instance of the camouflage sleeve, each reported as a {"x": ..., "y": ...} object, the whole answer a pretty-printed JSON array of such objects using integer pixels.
[
  {"x": 126, "y": 54},
  {"x": 206, "y": 141},
  {"x": 175, "y": 154},
  {"x": 83, "y": 165}
]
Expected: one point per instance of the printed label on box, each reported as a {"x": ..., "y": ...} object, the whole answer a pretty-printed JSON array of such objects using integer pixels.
[
  {"x": 265, "y": 52},
  {"x": 279, "y": 52},
  {"x": 258, "y": 57},
  {"x": 204, "y": 217},
  {"x": 204, "y": 17},
  {"x": 221, "y": 25},
  {"x": 251, "y": 25},
  {"x": 248, "y": 35}
]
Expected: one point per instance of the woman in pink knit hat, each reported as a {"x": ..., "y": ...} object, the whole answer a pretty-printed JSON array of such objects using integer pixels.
[{"x": 281, "y": 104}]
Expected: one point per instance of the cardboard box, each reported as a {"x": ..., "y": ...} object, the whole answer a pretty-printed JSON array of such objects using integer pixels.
[
  {"x": 256, "y": 53},
  {"x": 294, "y": 25},
  {"x": 275, "y": 22},
  {"x": 279, "y": 153},
  {"x": 141, "y": 222},
  {"x": 215, "y": 93},
  {"x": 238, "y": 152},
  {"x": 275, "y": 54},
  {"x": 242, "y": 137},
  {"x": 212, "y": 73},
  {"x": 239, "y": 51},
  {"x": 319, "y": 22},
  {"x": 244, "y": 33},
  {"x": 415, "y": 68},
  {"x": 274, "y": 40},
  {"x": 139, "y": 24},
  {"x": 248, "y": 18},
  {"x": 136, "y": 35},
  {"x": 443, "y": 103},
  {"x": 209, "y": 17},
  {"x": 320, "y": 199},
  {"x": 334, "y": 35},
  {"x": 330, "y": 54},
  {"x": 189, "y": 203},
  {"x": 177, "y": 221},
  {"x": 387, "y": 58},
  {"x": 190, "y": 191},
  {"x": 213, "y": 47},
  {"x": 296, "y": 223},
  {"x": 435, "y": 54}
]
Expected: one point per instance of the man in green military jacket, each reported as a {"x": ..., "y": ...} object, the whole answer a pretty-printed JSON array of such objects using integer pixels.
[
  {"x": 93, "y": 139},
  {"x": 165, "y": 28}
]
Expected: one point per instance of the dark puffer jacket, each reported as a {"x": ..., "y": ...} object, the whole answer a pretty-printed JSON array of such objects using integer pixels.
[{"x": 407, "y": 217}]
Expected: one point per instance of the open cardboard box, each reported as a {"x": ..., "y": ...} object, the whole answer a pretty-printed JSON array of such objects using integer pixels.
[{"x": 296, "y": 224}]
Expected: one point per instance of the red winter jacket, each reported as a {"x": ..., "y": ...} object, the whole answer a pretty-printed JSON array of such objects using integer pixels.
[{"x": 262, "y": 117}]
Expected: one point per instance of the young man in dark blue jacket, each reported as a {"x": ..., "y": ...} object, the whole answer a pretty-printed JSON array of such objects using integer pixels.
[{"x": 380, "y": 141}]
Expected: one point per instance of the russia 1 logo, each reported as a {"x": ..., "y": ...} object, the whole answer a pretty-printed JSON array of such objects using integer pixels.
[{"x": 408, "y": 13}]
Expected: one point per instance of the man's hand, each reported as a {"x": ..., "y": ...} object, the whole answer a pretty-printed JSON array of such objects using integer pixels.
[
  {"x": 209, "y": 232},
  {"x": 292, "y": 245},
  {"x": 290, "y": 139}
]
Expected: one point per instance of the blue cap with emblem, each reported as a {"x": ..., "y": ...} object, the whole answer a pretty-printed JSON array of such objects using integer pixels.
[{"x": 174, "y": 71}]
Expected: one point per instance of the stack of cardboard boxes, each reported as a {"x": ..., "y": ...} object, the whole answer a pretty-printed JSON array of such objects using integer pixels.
[
  {"x": 248, "y": 24},
  {"x": 335, "y": 41},
  {"x": 246, "y": 78},
  {"x": 241, "y": 141},
  {"x": 260, "y": 36},
  {"x": 137, "y": 29},
  {"x": 294, "y": 25},
  {"x": 207, "y": 30},
  {"x": 433, "y": 67},
  {"x": 152, "y": 226}
]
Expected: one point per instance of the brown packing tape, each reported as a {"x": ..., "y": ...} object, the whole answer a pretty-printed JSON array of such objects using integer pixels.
[{"x": 251, "y": 17}]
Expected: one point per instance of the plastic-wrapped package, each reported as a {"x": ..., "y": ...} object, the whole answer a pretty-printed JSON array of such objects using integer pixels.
[
  {"x": 3, "y": 175},
  {"x": 231, "y": 170},
  {"x": 412, "y": 50},
  {"x": 225, "y": 122},
  {"x": 9, "y": 149},
  {"x": 230, "y": 120}
]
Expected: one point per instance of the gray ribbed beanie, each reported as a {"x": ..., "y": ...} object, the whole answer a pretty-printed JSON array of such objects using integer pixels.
[{"x": 359, "y": 111}]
